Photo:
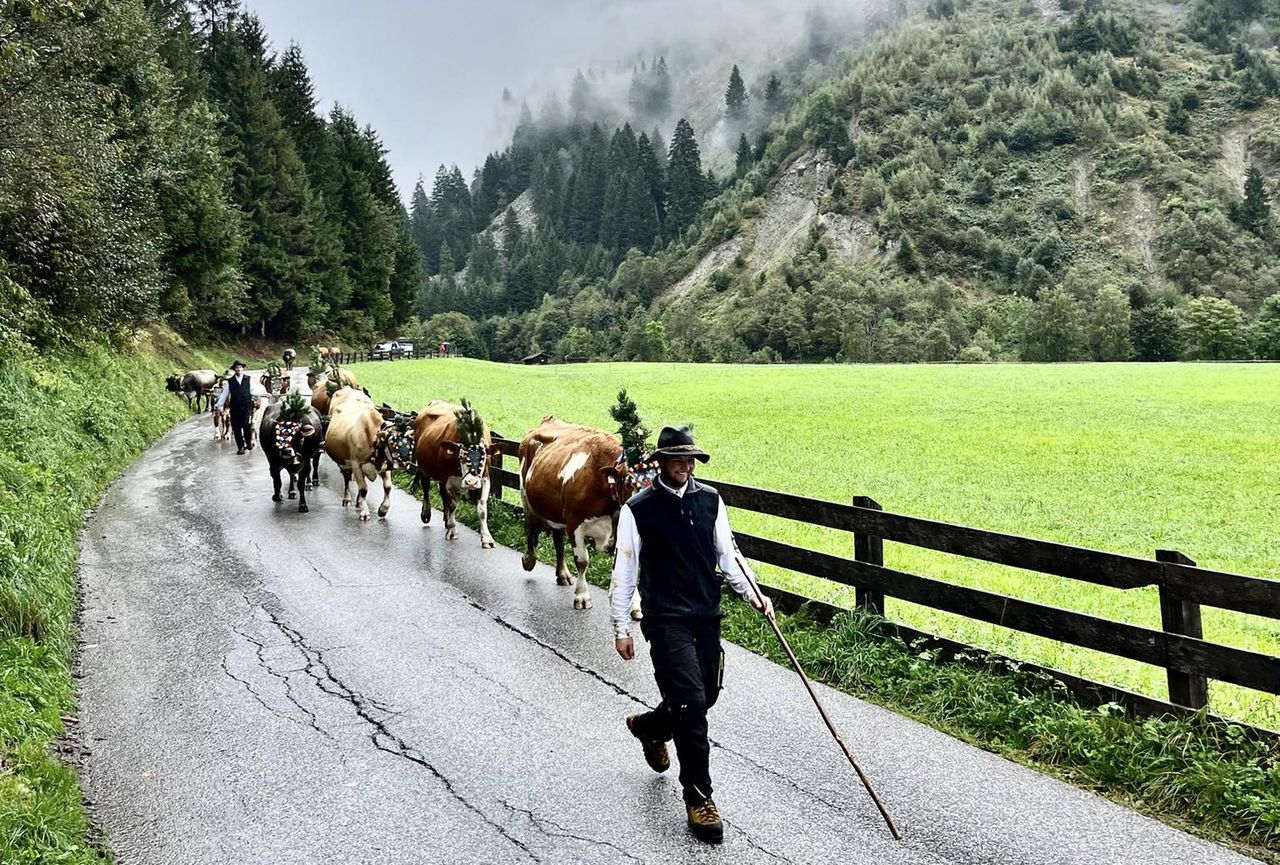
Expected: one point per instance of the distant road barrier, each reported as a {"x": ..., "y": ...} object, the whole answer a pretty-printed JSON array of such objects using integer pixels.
[{"x": 1179, "y": 646}]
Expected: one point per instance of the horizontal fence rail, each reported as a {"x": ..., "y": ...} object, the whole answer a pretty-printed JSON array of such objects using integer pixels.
[{"x": 1183, "y": 588}]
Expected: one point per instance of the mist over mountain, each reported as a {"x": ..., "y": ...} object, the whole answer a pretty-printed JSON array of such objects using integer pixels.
[{"x": 431, "y": 77}]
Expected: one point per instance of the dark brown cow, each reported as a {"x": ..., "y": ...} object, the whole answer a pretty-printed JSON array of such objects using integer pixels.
[
  {"x": 572, "y": 480},
  {"x": 442, "y": 457}
]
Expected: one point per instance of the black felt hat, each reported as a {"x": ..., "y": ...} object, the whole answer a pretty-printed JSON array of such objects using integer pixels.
[
  {"x": 237, "y": 363},
  {"x": 677, "y": 442}
]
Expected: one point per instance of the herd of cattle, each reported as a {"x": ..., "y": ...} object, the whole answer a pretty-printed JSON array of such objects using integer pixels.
[{"x": 573, "y": 479}]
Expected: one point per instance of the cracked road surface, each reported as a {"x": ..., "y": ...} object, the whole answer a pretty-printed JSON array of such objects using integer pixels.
[{"x": 263, "y": 686}]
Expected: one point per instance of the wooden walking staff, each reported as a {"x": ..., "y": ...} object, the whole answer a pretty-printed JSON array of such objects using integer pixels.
[{"x": 786, "y": 647}]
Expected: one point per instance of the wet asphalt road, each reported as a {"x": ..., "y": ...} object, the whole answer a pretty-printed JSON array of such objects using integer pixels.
[{"x": 263, "y": 686}]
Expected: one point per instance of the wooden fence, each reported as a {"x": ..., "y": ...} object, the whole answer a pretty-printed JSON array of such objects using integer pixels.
[
  {"x": 1179, "y": 646},
  {"x": 364, "y": 356}
]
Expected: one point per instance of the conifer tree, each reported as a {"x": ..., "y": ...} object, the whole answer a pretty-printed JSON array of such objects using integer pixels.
[
  {"x": 512, "y": 233},
  {"x": 745, "y": 158},
  {"x": 773, "y": 94},
  {"x": 649, "y": 163},
  {"x": 1255, "y": 211},
  {"x": 735, "y": 97},
  {"x": 686, "y": 186}
]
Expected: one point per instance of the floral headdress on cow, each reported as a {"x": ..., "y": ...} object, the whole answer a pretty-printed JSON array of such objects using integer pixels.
[
  {"x": 470, "y": 426},
  {"x": 635, "y": 442},
  {"x": 317, "y": 363}
]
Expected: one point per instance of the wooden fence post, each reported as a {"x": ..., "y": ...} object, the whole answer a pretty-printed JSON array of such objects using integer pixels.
[
  {"x": 869, "y": 549},
  {"x": 1182, "y": 617},
  {"x": 495, "y": 483}
]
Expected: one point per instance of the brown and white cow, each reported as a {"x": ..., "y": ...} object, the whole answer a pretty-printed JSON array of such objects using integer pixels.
[
  {"x": 366, "y": 444},
  {"x": 222, "y": 423},
  {"x": 573, "y": 480},
  {"x": 459, "y": 469}
]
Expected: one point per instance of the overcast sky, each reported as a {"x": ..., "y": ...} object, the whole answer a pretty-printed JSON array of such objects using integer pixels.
[{"x": 428, "y": 76}]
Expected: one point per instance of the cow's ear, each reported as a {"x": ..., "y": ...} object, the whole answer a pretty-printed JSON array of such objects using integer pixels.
[
  {"x": 308, "y": 430},
  {"x": 450, "y": 448},
  {"x": 609, "y": 473}
]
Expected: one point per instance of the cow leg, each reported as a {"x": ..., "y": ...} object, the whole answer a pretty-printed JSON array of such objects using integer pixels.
[
  {"x": 532, "y": 530},
  {"x": 386, "y": 494},
  {"x": 293, "y": 479},
  {"x": 303, "y": 475},
  {"x": 426, "y": 497},
  {"x": 450, "y": 506},
  {"x": 581, "y": 593},
  {"x": 362, "y": 497},
  {"x": 314, "y": 474},
  {"x": 562, "y": 572},
  {"x": 346, "y": 486},
  {"x": 275, "y": 479},
  {"x": 482, "y": 511}
]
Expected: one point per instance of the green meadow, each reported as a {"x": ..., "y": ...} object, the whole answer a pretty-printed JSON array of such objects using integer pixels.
[{"x": 1128, "y": 458}]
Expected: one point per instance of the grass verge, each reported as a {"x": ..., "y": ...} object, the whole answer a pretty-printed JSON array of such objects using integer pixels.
[
  {"x": 69, "y": 424},
  {"x": 1208, "y": 778}
]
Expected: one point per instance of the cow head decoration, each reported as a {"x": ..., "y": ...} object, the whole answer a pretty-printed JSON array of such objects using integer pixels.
[
  {"x": 471, "y": 451},
  {"x": 396, "y": 439},
  {"x": 626, "y": 480},
  {"x": 293, "y": 428}
]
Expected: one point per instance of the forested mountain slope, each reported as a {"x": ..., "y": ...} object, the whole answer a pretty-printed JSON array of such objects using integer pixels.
[
  {"x": 159, "y": 161},
  {"x": 984, "y": 180}
]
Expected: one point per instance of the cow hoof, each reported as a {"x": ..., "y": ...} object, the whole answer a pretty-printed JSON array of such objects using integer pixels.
[
  {"x": 582, "y": 602},
  {"x": 486, "y": 545},
  {"x": 277, "y": 498},
  {"x": 302, "y": 509},
  {"x": 451, "y": 535},
  {"x": 426, "y": 518},
  {"x": 527, "y": 562},
  {"x": 292, "y": 494},
  {"x": 364, "y": 518},
  {"x": 346, "y": 502},
  {"x": 564, "y": 580}
]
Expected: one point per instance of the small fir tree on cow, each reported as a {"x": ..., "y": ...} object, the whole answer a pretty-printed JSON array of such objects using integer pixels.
[{"x": 635, "y": 441}]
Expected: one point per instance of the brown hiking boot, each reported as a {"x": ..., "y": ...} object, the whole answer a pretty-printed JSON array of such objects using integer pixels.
[
  {"x": 704, "y": 820},
  {"x": 655, "y": 753}
]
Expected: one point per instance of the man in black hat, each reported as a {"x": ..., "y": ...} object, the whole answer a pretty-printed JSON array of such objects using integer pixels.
[
  {"x": 670, "y": 538},
  {"x": 238, "y": 389}
]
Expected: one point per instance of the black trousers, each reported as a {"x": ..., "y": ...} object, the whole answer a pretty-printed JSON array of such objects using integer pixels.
[
  {"x": 688, "y": 664},
  {"x": 240, "y": 421}
]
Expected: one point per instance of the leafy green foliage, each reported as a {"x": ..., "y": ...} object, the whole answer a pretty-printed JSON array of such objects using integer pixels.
[{"x": 157, "y": 162}]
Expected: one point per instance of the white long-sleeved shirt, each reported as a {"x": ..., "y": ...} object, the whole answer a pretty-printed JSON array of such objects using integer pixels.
[{"x": 626, "y": 566}]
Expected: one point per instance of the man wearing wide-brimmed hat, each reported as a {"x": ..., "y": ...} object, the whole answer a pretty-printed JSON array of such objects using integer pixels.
[
  {"x": 239, "y": 390},
  {"x": 670, "y": 538}
]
